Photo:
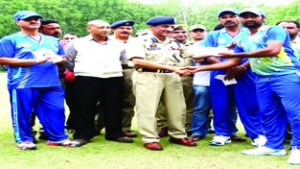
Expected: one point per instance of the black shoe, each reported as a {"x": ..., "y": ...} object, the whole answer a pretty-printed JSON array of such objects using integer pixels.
[
  {"x": 122, "y": 139},
  {"x": 43, "y": 136},
  {"x": 130, "y": 133},
  {"x": 78, "y": 142},
  {"x": 163, "y": 132},
  {"x": 237, "y": 138},
  {"x": 211, "y": 131}
]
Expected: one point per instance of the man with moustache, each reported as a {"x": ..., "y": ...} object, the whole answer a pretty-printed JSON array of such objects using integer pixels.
[
  {"x": 155, "y": 57},
  {"x": 293, "y": 28},
  {"x": 98, "y": 78},
  {"x": 180, "y": 34},
  {"x": 277, "y": 82},
  {"x": 51, "y": 28},
  {"x": 33, "y": 81},
  {"x": 225, "y": 99}
]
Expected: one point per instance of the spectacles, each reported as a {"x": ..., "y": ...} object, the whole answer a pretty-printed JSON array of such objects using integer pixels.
[{"x": 197, "y": 30}]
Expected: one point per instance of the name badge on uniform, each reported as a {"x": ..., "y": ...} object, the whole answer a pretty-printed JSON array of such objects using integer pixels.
[{"x": 153, "y": 47}]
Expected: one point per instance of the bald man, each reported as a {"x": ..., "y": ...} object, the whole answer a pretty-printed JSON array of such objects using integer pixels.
[{"x": 96, "y": 60}]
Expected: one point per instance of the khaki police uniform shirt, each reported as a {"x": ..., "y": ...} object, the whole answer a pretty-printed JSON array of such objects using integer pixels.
[{"x": 167, "y": 52}]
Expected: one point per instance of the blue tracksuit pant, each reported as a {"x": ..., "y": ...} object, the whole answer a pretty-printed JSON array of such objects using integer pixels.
[
  {"x": 279, "y": 97},
  {"x": 48, "y": 103}
]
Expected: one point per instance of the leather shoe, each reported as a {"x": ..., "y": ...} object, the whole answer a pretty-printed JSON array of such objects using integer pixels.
[
  {"x": 130, "y": 133},
  {"x": 237, "y": 138},
  {"x": 196, "y": 137},
  {"x": 122, "y": 139},
  {"x": 183, "y": 141},
  {"x": 153, "y": 146},
  {"x": 163, "y": 132}
]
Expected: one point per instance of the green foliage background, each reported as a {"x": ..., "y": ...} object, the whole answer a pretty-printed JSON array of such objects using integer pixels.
[{"x": 74, "y": 14}]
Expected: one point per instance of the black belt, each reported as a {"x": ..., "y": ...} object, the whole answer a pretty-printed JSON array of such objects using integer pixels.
[
  {"x": 126, "y": 67},
  {"x": 153, "y": 70}
]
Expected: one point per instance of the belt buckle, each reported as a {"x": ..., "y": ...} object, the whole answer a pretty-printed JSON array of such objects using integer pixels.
[{"x": 159, "y": 71}]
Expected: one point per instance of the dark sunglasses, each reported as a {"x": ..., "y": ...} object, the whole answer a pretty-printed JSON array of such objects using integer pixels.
[
  {"x": 197, "y": 30},
  {"x": 31, "y": 18}
]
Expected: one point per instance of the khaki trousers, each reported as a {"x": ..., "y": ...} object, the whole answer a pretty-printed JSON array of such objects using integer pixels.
[{"x": 151, "y": 88}]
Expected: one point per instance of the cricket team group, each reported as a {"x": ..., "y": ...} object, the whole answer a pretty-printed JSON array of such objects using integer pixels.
[{"x": 172, "y": 77}]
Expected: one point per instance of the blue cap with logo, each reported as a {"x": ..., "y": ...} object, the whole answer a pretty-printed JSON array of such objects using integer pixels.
[
  {"x": 223, "y": 11},
  {"x": 161, "y": 20},
  {"x": 255, "y": 11},
  {"x": 20, "y": 15},
  {"x": 122, "y": 23}
]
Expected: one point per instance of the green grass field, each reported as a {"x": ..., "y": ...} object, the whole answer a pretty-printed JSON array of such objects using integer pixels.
[{"x": 102, "y": 154}]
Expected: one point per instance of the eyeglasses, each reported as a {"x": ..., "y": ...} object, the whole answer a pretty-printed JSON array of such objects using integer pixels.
[{"x": 197, "y": 30}]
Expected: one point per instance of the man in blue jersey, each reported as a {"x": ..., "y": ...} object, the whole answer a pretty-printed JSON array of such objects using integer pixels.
[
  {"x": 33, "y": 81},
  {"x": 225, "y": 98},
  {"x": 273, "y": 61}
]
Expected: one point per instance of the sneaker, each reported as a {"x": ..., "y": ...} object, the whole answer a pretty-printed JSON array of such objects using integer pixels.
[
  {"x": 27, "y": 145},
  {"x": 65, "y": 143},
  {"x": 220, "y": 141},
  {"x": 264, "y": 151},
  {"x": 294, "y": 158},
  {"x": 259, "y": 141}
]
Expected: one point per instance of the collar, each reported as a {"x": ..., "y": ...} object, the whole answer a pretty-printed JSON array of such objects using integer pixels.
[
  {"x": 90, "y": 38},
  {"x": 156, "y": 40}
]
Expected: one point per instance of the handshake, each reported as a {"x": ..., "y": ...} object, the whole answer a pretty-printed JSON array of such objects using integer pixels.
[{"x": 188, "y": 70}]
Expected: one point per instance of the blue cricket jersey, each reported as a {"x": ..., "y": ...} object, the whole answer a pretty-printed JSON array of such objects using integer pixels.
[
  {"x": 284, "y": 63},
  {"x": 222, "y": 38},
  {"x": 22, "y": 46}
]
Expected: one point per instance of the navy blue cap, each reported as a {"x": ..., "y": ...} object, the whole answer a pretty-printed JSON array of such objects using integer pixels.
[
  {"x": 233, "y": 11},
  {"x": 20, "y": 15},
  {"x": 161, "y": 20},
  {"x": 122, "y": 23},
  {"x": 255, "y": 11}
]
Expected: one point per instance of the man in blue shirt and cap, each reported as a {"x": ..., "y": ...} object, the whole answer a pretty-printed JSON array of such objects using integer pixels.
[{"x": 33, "y": 81}]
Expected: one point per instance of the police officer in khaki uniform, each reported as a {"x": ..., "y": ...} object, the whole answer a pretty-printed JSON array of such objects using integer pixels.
[
  {"x": 180, "y": 34},
  {"x": 156, "y": 79}
]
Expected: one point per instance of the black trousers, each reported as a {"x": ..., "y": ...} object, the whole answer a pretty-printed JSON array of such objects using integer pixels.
[{"x": 87, "y": 92}]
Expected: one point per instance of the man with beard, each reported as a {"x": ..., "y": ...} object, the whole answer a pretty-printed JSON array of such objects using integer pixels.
[
  {"x": 273, "y": 61},
  {"x": 50, "y": 28},
  {"x": 180, "y": 34},
  {"x": 225, "y": 99},
  {"x": 293, "y": 28},
  {"x": 122, "y": 30}
]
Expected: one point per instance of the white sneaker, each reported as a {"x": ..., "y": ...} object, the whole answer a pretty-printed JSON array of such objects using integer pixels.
[
  {"x": 294, "y": 156},
  {"x": 259, "y": 141},
  {"x": 264, "y": 151},
  {"x": 26, "y": 145},
  {"x": 65, "y": 143},
  {"x": 220, "y": 141}
]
